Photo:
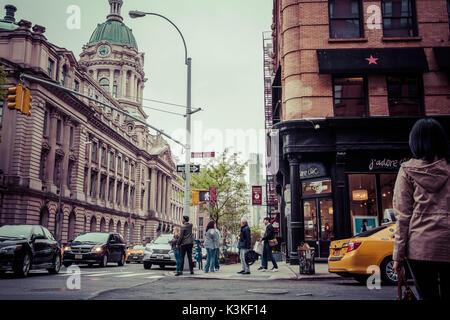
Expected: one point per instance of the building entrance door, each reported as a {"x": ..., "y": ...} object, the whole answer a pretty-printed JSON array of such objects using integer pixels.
[{"x": 318, "y": 218}]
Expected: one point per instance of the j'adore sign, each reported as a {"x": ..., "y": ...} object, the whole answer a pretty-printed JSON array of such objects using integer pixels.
[{"x": 386, "y": 163}]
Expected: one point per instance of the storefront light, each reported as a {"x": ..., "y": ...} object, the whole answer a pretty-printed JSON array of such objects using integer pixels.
[{"x": 360, "y": 195}]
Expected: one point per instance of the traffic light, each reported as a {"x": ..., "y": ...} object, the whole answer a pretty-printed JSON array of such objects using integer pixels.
[
  {"x": 26, "y": 105},
  {"x": 195, "y": 197},
  {"x": 15, "y": 97}
]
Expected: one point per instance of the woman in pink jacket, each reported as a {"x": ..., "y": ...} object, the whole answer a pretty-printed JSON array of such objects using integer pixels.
[{"x": 422, "y": 206}]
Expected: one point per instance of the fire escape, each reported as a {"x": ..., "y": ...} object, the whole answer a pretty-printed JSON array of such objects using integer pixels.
[{"x": 271, "y": 195}]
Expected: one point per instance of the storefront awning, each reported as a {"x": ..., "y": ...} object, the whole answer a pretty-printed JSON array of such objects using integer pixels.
[
  {"x": 443, "y": 57},
  {"x": 361, "y": 61}
]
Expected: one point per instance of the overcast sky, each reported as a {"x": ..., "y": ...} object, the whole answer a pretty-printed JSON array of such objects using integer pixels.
[{"x": 224, "y": 40}]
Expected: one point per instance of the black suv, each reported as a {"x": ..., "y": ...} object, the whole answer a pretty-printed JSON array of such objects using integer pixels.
[
  {"x": 25, "y": 247},
  {"x": 95, "y": 247}
]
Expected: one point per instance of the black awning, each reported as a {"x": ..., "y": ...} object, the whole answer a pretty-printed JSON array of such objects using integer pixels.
[
  {"x": 443, "y": 57},
  {"x": 345, "y": 61}
]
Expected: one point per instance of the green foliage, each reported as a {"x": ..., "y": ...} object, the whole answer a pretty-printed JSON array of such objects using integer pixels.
[
  {"x": 256, "y": 234},
  {"x": 227, "y": 174},
  {"x": 3, "y": 83}
]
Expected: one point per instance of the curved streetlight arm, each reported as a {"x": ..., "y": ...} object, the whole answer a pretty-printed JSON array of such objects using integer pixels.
[{"x": 139, "y": 14}]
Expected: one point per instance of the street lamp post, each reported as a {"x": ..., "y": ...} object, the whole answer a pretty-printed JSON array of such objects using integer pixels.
[{"x": 188, "y": 62}]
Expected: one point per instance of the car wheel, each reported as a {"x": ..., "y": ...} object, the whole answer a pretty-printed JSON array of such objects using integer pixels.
[
  {"x": 147, "y": 265},
  {"x": 22, "y": 268},
  {"x": 388, "y": 275},
  {"x": 162, "y": 266},
  {"x": 67, "y": 264},
  {"x": 104, "y": 261},
  {"x": 361, "y": 278},
  {"x": 121, "y": 261},
  {"x": 56, "y": 265}
]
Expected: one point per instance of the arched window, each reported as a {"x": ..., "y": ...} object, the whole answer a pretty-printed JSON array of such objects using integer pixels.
[
  {"x": 102, "y": 225},
  {"x": 104, "y": 83},
  {"x": 119, "y": 227},
  {"x": 71, "y": 231},
  {"x": 93, "y": 225},
  {"x": 44, "y": 217},
  {"x": 111, "y": 226}
]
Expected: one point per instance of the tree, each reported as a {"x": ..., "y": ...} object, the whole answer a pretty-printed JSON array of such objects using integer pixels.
[
  {"x": 256, "y": 234},
  {"x": 3, "y": 83},
  {"x": 226, "y": 173}
]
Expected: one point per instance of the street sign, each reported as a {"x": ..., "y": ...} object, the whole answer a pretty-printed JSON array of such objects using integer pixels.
[
  {"x": 203, "y": 154},
  {"x": 194, "y": 168},
  {"x": 203, "y": 196},
  {"x": 213, "y": 194},
  {"x": 256, "y": 195}
]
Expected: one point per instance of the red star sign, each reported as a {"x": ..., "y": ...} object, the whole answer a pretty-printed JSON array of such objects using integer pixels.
[{"x": 372, "y": 60}]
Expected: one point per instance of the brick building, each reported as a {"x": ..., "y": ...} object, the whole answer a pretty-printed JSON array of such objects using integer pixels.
[
  {"x": 100, "y": 163},
  {"x": 350, "y": 79}
]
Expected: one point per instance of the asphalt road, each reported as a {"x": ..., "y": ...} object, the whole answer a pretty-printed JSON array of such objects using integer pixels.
[{"x": 133, "y": 282}]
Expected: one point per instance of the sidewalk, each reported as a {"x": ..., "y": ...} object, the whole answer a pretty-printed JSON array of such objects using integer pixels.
[{"x": 285, "y": 272}]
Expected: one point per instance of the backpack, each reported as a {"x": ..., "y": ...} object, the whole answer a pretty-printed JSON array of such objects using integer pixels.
[{"x": 250, "y": 257}]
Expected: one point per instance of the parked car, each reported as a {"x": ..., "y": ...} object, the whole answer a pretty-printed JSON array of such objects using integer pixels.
[
  {"x": 95, "y": 248},
  {"x": 135, "y": 254},
  {"x": 28, "y": 247},
  {"x": 351, "y": 257},
  {"x": 159, "y": 252}
]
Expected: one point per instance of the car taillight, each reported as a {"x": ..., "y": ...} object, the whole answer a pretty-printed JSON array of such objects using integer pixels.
[{"x": 351, "y": 246}]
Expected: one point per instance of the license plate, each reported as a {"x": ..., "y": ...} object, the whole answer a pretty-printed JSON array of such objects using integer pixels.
[
  {"x": 337, "y": 251},
  {"x": 160, "y": 257},
  {"x": 78, "y": 256}
]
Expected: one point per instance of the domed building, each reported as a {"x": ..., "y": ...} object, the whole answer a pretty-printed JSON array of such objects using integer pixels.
[
  {"x": 112, "y": 59},
  {"x": 76, "y": 165}
]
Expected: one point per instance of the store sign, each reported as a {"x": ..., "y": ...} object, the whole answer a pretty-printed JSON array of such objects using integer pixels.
[
  {"x": 312, "y": 170},
  {"x": 386, "y": 164},
  {"x": 316, "y": 187}
]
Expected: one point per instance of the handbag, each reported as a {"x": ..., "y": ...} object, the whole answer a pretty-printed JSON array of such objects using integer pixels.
[
  {"x": 258, "y": 247},
  {"x": 273, "y": 242},
  {"x": 408, "y": 294}
]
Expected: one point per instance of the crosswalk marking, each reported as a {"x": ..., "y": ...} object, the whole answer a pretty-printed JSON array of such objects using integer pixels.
[
  {"x": 154, "y": 277},
  {"x": 132, "y": 275},
  {"x": 105, "y": 274}
]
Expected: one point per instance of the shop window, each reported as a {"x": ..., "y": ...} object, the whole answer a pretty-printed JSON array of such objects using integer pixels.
[
  {"x": 345, "y": 19},
  {"x": 363, "y": 202},
  {"x": 399, "y": 18},
  {"x": 349, "y": 97},
  {"x": 404, "y": 95},
  {"x": 387, "y": 183}
]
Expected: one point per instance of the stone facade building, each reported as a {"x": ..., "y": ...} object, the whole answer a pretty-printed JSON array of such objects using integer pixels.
[
  {"x": 351, "y": 79},
  {"x": 101, "y": 164}
]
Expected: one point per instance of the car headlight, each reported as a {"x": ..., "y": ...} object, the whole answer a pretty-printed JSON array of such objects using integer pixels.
[
  {"x": 67, "y": 249},
  {"x": 97, "y": 249},
  {"x": 11, "y": 249}
]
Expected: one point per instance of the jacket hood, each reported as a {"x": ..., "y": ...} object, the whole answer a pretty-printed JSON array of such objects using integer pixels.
[{"x": 430, "y": 176}]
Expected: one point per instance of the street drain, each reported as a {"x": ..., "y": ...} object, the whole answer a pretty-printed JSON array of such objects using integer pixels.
[{"x": 268, "y": 291}]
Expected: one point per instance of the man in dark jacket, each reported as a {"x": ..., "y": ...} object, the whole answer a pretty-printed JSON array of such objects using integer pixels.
[
  {"x": 245, "y": 243},
  {"x": 267, "y": 252},
  {"x": 186, "y": 243}
]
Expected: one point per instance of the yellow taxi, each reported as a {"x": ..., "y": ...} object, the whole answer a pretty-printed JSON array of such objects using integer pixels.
[
  {"x": 353, "y": 257},
  {"x": 135, "y": 254}
]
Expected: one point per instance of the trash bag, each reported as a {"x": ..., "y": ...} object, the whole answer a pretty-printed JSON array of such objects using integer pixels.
[{"x": 251, "y": 256}]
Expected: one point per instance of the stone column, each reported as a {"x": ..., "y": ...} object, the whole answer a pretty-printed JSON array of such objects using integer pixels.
[
  {"x": 111, "y": 80},
  {"x": 153, "y": 190},
  {"x": 51, "y": 156},
  {"x": 297, "y": 221},
  {"x": 158, "y": 203},
  {"x": 124, "y": 83},
  {"x": 65, "y": 135},
  {"x": 96, "y": 75}
]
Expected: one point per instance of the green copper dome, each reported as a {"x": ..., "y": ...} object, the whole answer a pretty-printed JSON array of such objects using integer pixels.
[{"x": 113, "y": 31}]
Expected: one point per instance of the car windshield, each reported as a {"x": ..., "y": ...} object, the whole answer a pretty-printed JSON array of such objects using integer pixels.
[
  {"x": 370, "y": 232},
  {"x": 15, "y": 232},
  {"x": 138, "y": 247},
  {"x": 163, "y": 240},
  {"x": 92, "y": 237}
]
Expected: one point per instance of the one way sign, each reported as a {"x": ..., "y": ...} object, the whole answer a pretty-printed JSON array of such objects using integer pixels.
[{"x": 194, "y": 168}]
